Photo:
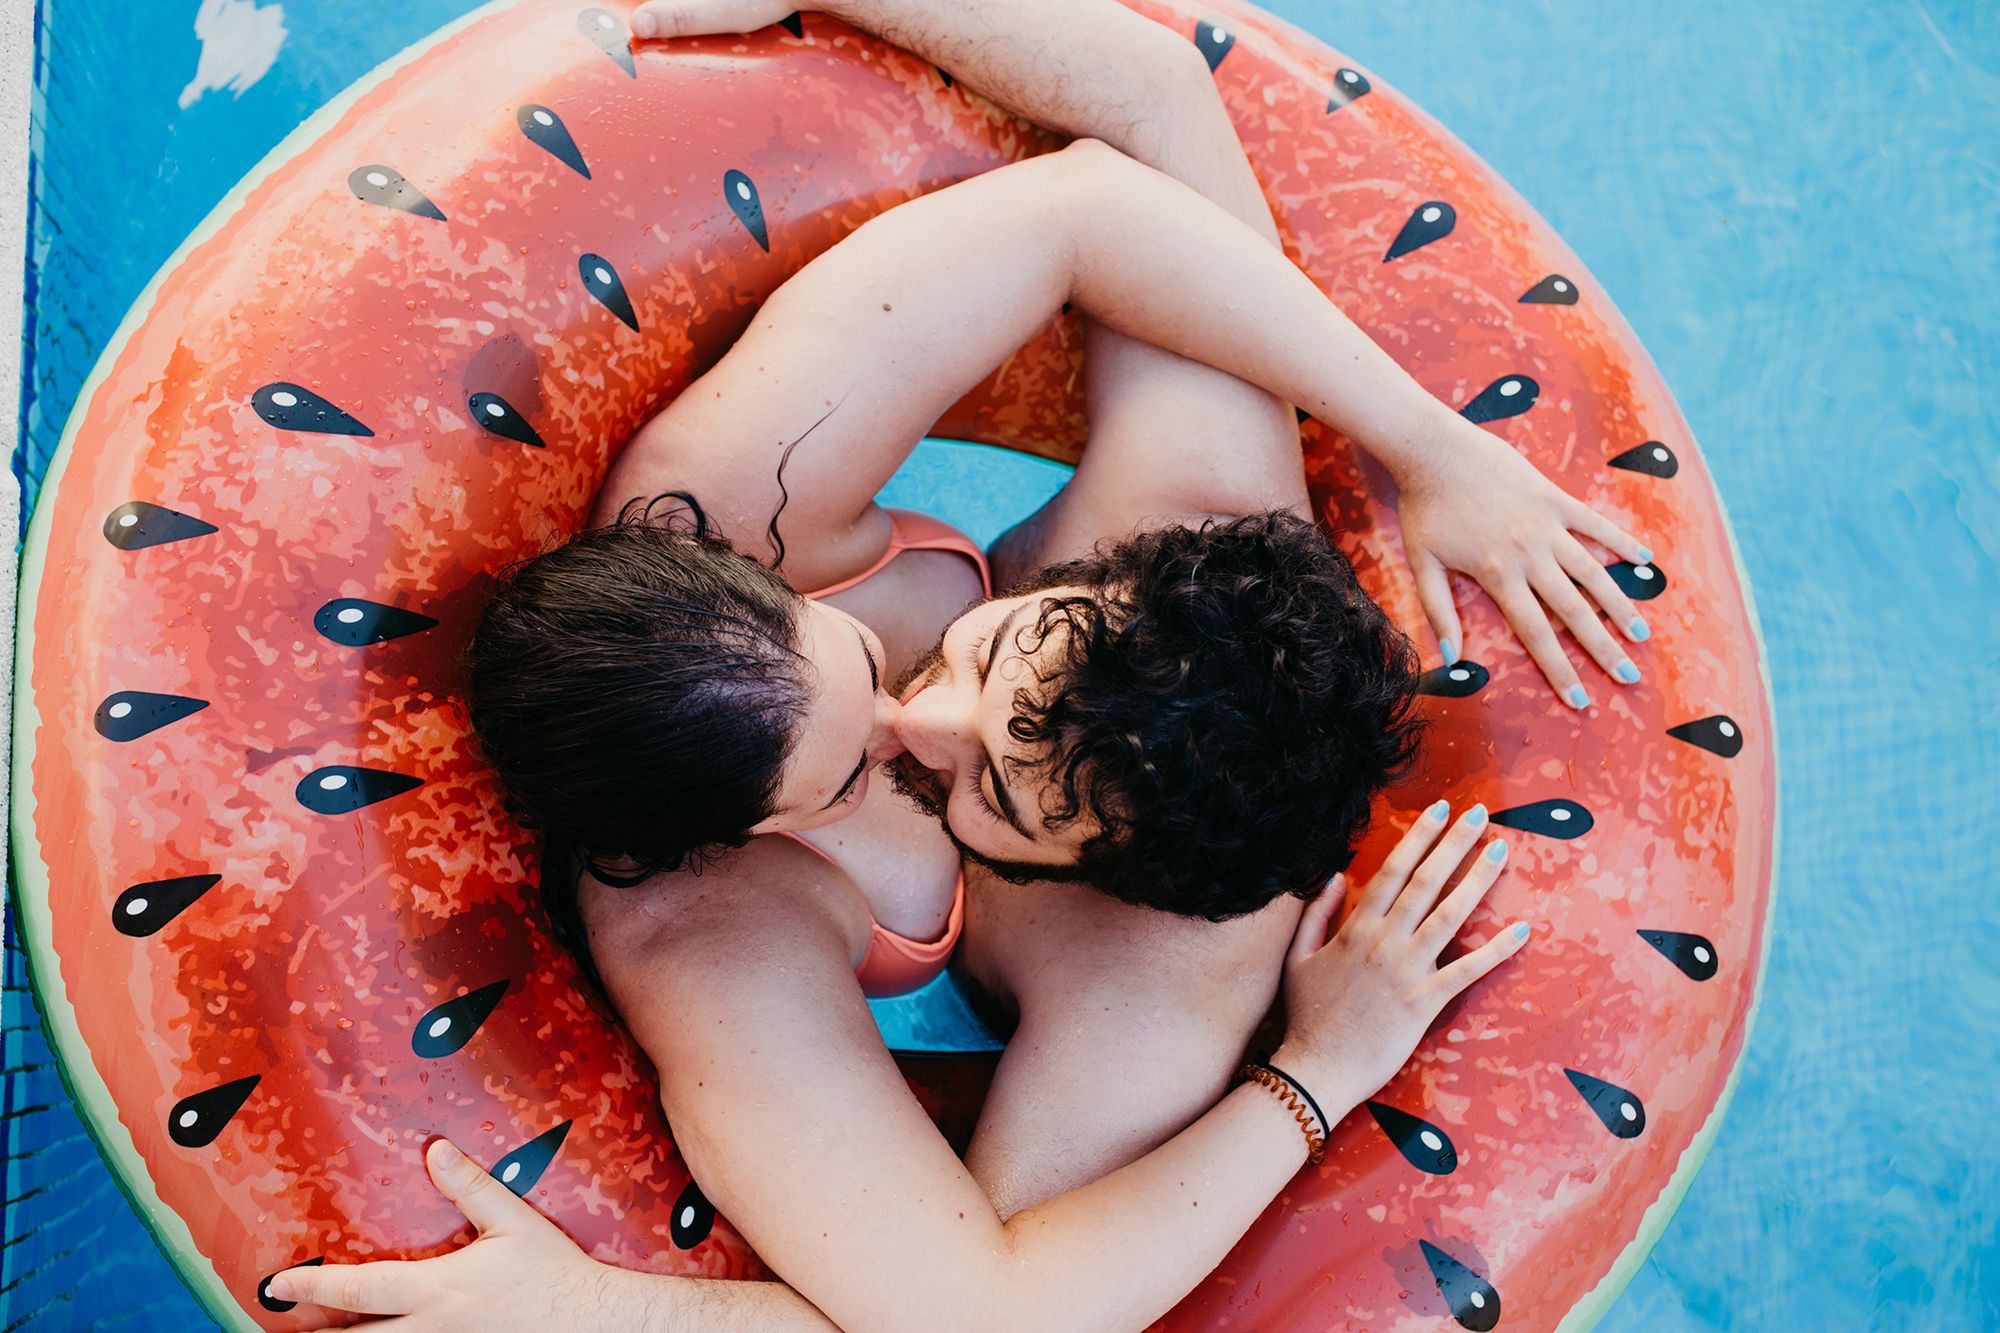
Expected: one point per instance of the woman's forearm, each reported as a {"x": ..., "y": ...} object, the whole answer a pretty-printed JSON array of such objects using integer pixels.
[
  {"x": 1121, "y": 1251},
  {"x": 1156, "y": 261}
]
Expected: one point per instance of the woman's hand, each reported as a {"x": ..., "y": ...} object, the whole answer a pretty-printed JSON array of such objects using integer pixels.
[
  {"x": 521, "y": 1273},
  {"x": 1359, "y": 1003},
  {"x": 1477, "y": 506}
]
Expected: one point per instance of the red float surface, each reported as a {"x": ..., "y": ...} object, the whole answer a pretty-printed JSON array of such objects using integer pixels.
[{"x": 314, "y": 961}]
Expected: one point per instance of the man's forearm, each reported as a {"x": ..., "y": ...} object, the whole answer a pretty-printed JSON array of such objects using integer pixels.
[
  {"x": 629, "y": 1302},
  {"x": 1091, "y": 69}
]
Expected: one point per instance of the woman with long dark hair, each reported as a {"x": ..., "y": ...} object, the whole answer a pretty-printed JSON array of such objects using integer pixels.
[{"x": 1172, "y": 736}]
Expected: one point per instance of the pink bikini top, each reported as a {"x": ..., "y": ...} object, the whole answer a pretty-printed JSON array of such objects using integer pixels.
[{"x": 896, "y": 964}]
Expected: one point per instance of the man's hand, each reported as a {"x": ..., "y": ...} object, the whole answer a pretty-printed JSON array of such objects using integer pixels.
[
  {"x": 1476, "y": 506},
  {"x": 697, "y": 18},
  {"x": 520, "y": 1274}
]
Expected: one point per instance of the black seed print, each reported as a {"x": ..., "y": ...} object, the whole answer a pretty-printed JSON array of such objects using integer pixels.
[
  {"x": 135, "y": 525},
  {"x": 342, "y": 789},
  {"x": 1214, "y": 40},
  {"x": 272, "y": 1303},
  {"x": 1552, "y": 819},
  {"x": 1474, "y": 1303},
  {"x": 390, "y": 188},
  {"x": 497, "y": 416},
  {"x": 1423, "y": 1145},
  {"x": 1622, "y": 1113},
  {"x": 357, "y": 623},
  {"x": 144, "y": 908},
  {"x": 747, "y": 205},
  {"x": 1508, "y": 396},
  {"x": 196, "y": 1120},
  {"x": 130, "y": 714},
  {"x": 1348, "y": 84},
  {"x": 1652, "y": 458},
  {"x": 944, "y": 74},
  {"x": 693, "y": 1216},
  {"x": 1692, "y": 954},
  {"x": 1642, "y": 583},
  {"x": 1457, "y": 681},
  {"x": 1717, "y": 735},
  {"x": 608, "y": 35},
  {"x": 795, "y": 24},
  {"x": 290, "y": 406},
  {"x": 1552, "y": 290},
  {"x": 1432, "y": 221},
  {"x": 521, "y": 1168},
  {"x": 602, "y": 281},
  {"x": 546, "y": 131},
  {"x": 445, "y": 1029}
]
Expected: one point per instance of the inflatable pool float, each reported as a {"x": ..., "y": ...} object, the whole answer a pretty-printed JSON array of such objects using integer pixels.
[{"x": 283, "y": 933}]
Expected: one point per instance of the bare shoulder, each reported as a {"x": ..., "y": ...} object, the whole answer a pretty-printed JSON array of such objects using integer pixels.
[{"x": 765, "y": 902}]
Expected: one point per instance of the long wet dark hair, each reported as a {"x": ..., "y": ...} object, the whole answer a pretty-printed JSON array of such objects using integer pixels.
[{"x": 638, "y": 690}]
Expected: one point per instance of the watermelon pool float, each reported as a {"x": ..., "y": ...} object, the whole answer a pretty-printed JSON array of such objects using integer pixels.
[{"x": 283, "y": 933}]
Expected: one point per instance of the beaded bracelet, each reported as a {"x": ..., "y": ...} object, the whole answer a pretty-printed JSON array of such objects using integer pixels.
[{"x": 1289, "y": 1091}]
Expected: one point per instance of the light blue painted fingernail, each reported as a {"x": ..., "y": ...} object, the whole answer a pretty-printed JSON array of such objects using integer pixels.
[
  {"x": 1476, "y": 815},
  {"x": 1578, "y": 697},
  {"x": 1496, "y": 850},
  {"x": 1440, "y": 810},
  {"x": 1520, "y": 930},
  {"x": 1447, "y": 650},
  {"x": 1639, "y": 629},
  {"x": 1645, "y": 555},
  {"x": 1627, "y": 672}
]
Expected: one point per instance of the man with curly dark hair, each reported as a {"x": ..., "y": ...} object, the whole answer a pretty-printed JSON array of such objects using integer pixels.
[
  {"x": 1203, "y": 716},
  {"x": 1173, "y": 739}
]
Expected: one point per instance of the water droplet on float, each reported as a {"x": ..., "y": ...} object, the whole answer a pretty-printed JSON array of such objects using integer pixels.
[
  {"x": 521, "y": 1168},
  {"x": 1460, "y": 680},
  {"x": 1432, "y": 221},
  {"x": 130, "y": 714},
  {"x": 196, "y": 1120},
  {"x": 1694, "y": 955},
  {"x": 144, "y": 909},
  {"x": 342, "y": 789},
  {"x": 1348, "y": 84},
  {"x": 497, "y": 416},
  {"x": 1471, "y": 1298},
  {"x": 447, "y": 1028},
  {"x": 1508, "y": 396},
  {"x": 602, "y": 282},
  {"x": 292, "y": 407},
  {"x": 1558, "y": 818},
  {"x": 1717, "y": 734},
  {"x": 545, "y": 129},
  {"x": 386, "y": 187},
  {"x": 136, "y": 525},
  {"x": 605, "y": 33},
  {"x": 693, "y": 1218},
  {"x": 748, "y": 206},
  {"x": 1552, "y": 290},
  {"x": 1651, "y": 459},
  {"x": 1618, "y": 1110},
  {"x": 1214, "y": 42}
]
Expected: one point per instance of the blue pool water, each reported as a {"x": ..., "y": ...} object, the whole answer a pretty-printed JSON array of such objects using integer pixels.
[{"x": 1796, "y": 204}]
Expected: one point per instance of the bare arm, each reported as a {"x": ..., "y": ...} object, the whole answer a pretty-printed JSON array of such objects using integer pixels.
[
  {"x": 1467, "y": 501},
  {"x": 868, "y": 344},
  {"x": 795, "y": 1120}
]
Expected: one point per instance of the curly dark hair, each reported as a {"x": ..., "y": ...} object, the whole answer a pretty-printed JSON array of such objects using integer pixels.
[
  {"x": 638, "y": 690},
  {"x": 1222, "y": 706}
]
